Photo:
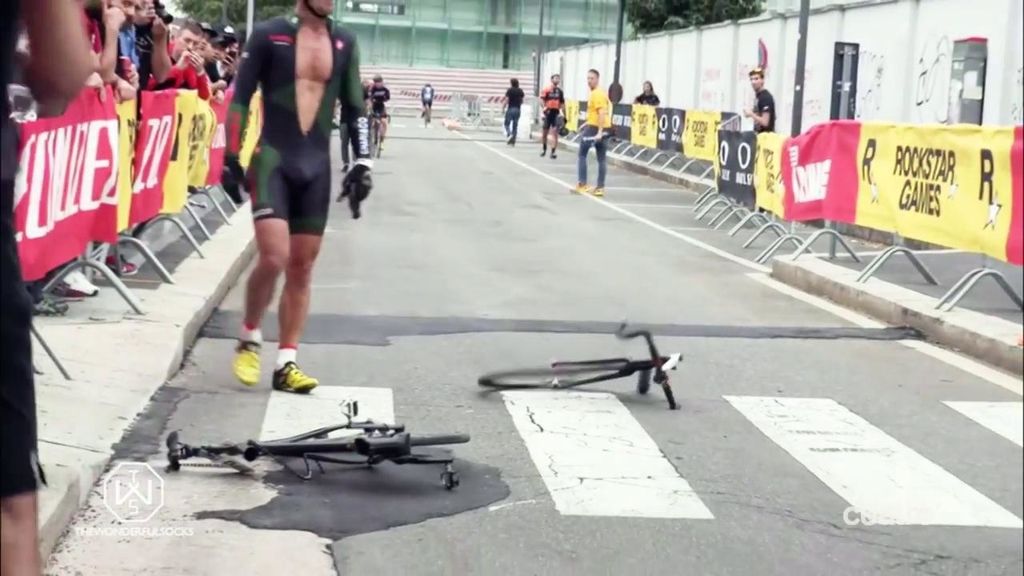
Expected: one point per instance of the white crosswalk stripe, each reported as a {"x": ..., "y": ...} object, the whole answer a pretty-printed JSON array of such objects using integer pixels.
[
  {"x": 1003, "y": 418},
  {"x": 290, "y": 414},
  {"x": 881, "y": 478},
  {"x": 597, "y": 460}
]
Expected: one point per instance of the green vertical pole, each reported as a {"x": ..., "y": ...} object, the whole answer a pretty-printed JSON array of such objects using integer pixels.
[
  {"x": 519, "y": 34},
  {"x": 412, "y": 44},
  {"x": 554, "y": 19},
  {"x": 448, "y": 45}
]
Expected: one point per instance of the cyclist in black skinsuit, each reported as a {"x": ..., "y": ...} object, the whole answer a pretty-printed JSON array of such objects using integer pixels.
[
  {"x": 289, "y": 177},
  {"x": 379, "y": 97}
]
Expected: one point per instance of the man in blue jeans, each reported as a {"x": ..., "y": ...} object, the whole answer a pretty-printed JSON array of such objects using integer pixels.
[
  {"x": 514, "y": 97},
  {"x": 599, "y": 121}
]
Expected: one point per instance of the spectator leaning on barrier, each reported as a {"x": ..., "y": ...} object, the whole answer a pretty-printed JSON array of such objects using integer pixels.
[
  {"x": 763, "y": 112},
  {"x": 647, "y": 97},
  {"x": 55, "y": 70},
  {"x": 189, "y": 71},
  {"x": 513, "y": 101},
  {"x": 599, "y": 121}
]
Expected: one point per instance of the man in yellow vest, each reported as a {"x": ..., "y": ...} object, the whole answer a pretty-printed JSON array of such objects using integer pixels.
[{"x": 599, "y": 122}]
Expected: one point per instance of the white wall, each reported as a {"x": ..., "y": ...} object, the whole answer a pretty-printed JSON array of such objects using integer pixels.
[{"x": 904, "y": 68}]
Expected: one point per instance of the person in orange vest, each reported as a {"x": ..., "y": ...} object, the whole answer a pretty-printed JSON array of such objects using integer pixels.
[{"x": 553, "y": 100}]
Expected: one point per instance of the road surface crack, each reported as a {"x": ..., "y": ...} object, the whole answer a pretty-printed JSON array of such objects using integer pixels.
[{"x": 533, "y": 419}]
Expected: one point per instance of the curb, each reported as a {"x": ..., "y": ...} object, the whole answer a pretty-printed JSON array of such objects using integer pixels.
[
  {"x": 77, "y": 479},
  {"x": 986, "y": 338}
]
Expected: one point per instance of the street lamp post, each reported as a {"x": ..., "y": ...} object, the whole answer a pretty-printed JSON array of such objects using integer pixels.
[
  {"x": 540, "y": 49},
  {"x": 616, "y": 91},
  {"x": 250, "y": 15},
  {"x": 801, "y": 64}
]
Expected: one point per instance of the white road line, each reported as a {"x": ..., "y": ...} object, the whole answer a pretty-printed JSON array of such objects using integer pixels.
[
  {"x": 885, "y": 481},
  {"x": 958, "y": 361},
  {"x": 850, "y": 316},
  {"x": 1003, "y": 418},
  {"x": 638, "y": 205},
  {"x": 597, "y": 460},
  {"x": 290, "y": 414},
  {"x": 691, "y": 241},
  {"x": 968, "y": 365},
  {"x": 642, "y": 189}
]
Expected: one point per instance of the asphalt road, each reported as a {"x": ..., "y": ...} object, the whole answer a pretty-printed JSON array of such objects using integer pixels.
[{"x": 807, "y": 442}]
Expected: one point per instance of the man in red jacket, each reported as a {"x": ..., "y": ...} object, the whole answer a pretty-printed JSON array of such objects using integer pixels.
[{"x": 189, "y": 71}]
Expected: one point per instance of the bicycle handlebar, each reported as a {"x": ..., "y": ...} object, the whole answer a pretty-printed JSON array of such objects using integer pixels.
[{"x": 623, "y": 333}]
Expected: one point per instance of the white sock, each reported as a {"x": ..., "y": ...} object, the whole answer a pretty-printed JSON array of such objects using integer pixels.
[
  {"x": 285, "y": 355},
  {"x": 254, "y": 335}
]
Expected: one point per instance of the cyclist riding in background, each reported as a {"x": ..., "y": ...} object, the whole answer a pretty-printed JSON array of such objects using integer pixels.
[
  {"x": 379, "y": 96},
  {"x": 427, "y": 98},
  {"x": 554, "y": 107}
]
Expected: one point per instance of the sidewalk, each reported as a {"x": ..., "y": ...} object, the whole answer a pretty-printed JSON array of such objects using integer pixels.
[
  {"x": 117, "y": 360},
  {"x": 985, "y": 324}
]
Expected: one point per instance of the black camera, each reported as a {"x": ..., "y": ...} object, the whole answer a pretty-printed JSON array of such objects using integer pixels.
[{"x": 161, "y": 12}]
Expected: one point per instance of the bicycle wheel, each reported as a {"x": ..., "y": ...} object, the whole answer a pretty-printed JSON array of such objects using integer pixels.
[{"x": 561, "y": 376}]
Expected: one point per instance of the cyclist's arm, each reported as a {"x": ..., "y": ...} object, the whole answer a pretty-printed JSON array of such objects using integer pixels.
[
  {"x": 250, "y": 69},
  {"x": 353, "y": 105}
]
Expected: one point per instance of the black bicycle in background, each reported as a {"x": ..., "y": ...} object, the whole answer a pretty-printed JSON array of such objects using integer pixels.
[{"x": 564, "y": 375}]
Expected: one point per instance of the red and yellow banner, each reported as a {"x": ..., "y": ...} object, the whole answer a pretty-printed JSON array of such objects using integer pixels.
[
  {"x": 175, "y": 181},
  {"x": 572, "y": 115},
  {"x": 960, "y": 186},
  {"x": 200, "y": 141},
  {"x": 99, "y": 169},
  {"x": 950, "y": 185},
  {"x": 768, "y": 173},
  {"x": 153, "y": 145},
  {"x": 219, "y": 143},
  {"x": 127, "y": 120},
  {"x": 644, "y": 126},
  {"x": 700, "y": 134},
  {"x": 66, "y": 187}
]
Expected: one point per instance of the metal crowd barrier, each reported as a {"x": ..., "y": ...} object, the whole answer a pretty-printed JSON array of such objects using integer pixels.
[
  {"x": 23, "y": 109},
  {"x": 767, "y": 223}
]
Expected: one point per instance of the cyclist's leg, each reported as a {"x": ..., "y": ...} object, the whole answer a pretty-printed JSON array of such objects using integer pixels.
[
  {"x": 310, "y": 202},
  {"x": 270, "y": 214},
  {"x": 554, "y": 134},
  {"x": 545, "y": 127}
]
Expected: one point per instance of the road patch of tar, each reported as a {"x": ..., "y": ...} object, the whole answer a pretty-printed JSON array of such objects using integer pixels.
[{"x": 363, "y": 330}]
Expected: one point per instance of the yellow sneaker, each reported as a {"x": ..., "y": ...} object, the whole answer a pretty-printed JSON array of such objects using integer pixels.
[
  {"x": 247, "y": 363},
  {"x": 581, "y": 189},
  {"x": 292, "y": 379},
  {"x": 599, "y": 192}
]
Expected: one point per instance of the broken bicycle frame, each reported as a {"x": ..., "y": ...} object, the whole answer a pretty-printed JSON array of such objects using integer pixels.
[{"x": 374, "y": 444}]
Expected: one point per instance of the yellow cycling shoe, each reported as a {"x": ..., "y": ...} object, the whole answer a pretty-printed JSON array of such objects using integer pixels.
[
  {"x": 247, "y": 363},
  {"x": 292, "y": 379},
  {"x": 599, "y": 192},
  {"x": 581, "y": 189}
]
